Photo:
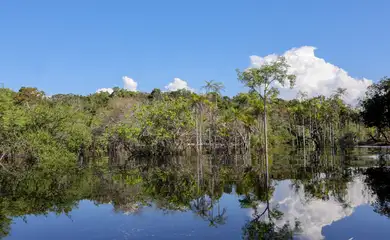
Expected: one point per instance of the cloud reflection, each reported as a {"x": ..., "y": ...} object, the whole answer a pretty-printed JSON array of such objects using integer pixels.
[{"x": 314, "y": 214}]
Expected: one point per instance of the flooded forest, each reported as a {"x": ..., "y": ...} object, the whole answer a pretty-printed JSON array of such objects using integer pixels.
[{"x": 181, "y": 163}]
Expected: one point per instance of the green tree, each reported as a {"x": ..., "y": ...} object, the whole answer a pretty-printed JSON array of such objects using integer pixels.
[
  {"x": 156, "y": 94},
  {"x": 214, "y": 87},
  {"x": 262, "y": 81},
  {"x": 29, "y": 95},
  {"x": 376, "y": 108}
]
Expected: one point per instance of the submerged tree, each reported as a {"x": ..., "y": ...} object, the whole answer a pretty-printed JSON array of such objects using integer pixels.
[
  {"x": 215, "y": 89},
  {"x": 262, "y": 81}
]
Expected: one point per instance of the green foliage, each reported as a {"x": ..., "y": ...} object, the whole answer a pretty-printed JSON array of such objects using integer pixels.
[
  {"x": 376, "y": 108},
  {"x": 69, "y": 126},
  {"x": 261, "y": 79},
  {"x": 45, "y": 132},
  {"x": 157, "y": 124},
  {"x": 156, "y": 94},
  {"x": 29, "y": 95}
]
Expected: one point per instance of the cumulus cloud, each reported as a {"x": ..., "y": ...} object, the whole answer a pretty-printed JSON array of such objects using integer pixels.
[
  {"x": 108, "y": 90},
  {"x": 315, "y": 76},
  {"x": 178, "y": 84},
  {"x": 129, "y": 84}
]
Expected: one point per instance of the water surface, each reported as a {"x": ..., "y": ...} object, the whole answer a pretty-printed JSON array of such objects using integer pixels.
[{"x": 310, "y": 195}]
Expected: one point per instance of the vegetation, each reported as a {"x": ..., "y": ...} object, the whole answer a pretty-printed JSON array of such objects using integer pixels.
[
  {"x": 260, "y": 81},
  {"x": 45, "y": 139},
  {"x": 375, "y": 113},
  {"x": 56, "y": 130}
]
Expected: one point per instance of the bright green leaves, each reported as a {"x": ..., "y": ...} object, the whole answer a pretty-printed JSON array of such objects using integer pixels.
[
  {"x": 32, "y": 127},
  {"x": 376, "y": 107},
  {"x": 261, "y": 79},
  {"x": 157, "y": 123},
  {"x": 48, "y": 152}
]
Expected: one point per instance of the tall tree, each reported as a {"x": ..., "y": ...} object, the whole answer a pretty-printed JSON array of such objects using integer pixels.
[
  {"x": 262, "y": 80},
  {"x": 214, "y": 87}
]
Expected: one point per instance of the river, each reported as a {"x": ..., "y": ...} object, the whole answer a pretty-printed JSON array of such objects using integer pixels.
[{"x": 310, "y": 195}]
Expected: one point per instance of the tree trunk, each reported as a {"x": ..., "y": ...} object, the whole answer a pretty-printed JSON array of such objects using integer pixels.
[
  {"x": 303, "y": 132},
  {"x": 265, "y": 135},
  {"x": 200, "y": 130},
  {"x": 261, "y": 125},
  {"x": 310, "y": 126},
  {"x": 197, "y": 132},
  {"x": 249, "y": 141},
  {"x": 291, "y": 134},
  {"x": 297, "y": 130},
  {"x": 324, "y": 133},
  {"x": 210, "y": 140}
]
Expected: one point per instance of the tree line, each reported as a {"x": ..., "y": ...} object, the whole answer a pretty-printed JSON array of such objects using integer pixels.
[{"x": 55, "y": 130}]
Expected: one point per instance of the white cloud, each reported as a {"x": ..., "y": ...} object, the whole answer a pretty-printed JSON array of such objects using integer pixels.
[
  {"x": 315, "y": 76},
  {"x": 178, "y": 84},
  {"x": 129, "y": 84},
  {"x": 109, "y": 90}
]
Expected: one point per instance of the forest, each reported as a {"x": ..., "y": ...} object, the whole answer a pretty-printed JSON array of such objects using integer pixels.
[
  {"x": 132, "y": 149},
  {"x": 53, "y": 131}
]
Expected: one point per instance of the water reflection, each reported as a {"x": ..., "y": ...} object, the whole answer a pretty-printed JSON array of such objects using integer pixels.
[
  {"x": 378, "y": 181},
  {"x": 312, "y": 214},
  {"x": 266, "y": 217},
  {"x": 305, "y": 191}
]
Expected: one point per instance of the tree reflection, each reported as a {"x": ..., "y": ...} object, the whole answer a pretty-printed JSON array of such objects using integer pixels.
[
  {"x": 324, "y": 177},
  {"x": 262, "y": 225},
  {"x": 378, "y": 180},
  {"x": 5, "y": 225},
  {"x": 210, "y": 189},
  {"x": 209, "y": 210},
  {"x": 168, "y": 185},
  {"x": 188, "y": 184}
]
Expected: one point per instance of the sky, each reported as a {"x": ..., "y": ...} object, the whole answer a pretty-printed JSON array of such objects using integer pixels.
[{"x": 79, "y": 47}]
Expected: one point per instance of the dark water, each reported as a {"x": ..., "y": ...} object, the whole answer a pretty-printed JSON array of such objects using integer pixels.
[{"x": 308, "y": 196}]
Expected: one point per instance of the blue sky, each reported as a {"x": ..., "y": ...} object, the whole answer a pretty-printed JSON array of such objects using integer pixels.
[{"x": 80, "y": 46}]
